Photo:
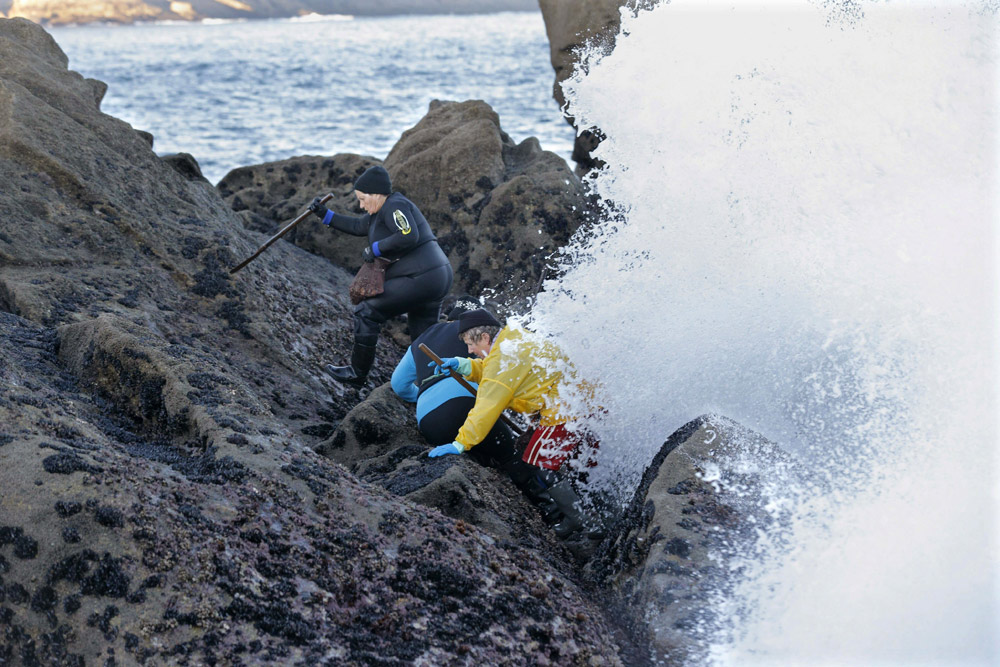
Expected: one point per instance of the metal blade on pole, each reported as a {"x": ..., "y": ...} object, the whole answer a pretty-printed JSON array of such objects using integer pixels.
[{"x": 277, "y": 236}]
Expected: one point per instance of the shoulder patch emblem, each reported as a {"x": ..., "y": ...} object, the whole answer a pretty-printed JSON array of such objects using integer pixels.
[{"x": 402, "y": 224}]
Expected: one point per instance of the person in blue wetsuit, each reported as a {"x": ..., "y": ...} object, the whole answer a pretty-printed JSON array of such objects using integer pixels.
[
  {"x": 443, "y": 406},
  {"x": 442, "y": 403},
  {"x": 417, "y": 279}
]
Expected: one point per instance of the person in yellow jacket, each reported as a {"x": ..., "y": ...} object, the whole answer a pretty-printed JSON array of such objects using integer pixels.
[{"x": 515, "y": 372}]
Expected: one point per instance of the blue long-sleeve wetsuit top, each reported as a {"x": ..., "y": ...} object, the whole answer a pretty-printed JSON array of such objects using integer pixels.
[{"x": 404, "y": 377}]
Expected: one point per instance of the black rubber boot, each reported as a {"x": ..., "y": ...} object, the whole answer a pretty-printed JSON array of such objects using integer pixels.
[
  {"x": 549, "y": 509},
  {"x": 568, "y": 502},
  {"x": 362, "y": 358},
  {"x": 539, "y": 492},
  {"x": 534, "y": 483},
  {"x": 536, "y": 488}
]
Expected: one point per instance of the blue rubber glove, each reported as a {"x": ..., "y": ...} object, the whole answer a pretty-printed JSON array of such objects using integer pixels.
[
  {"x": 461, "y": 365},
  {"x": 450, "y": 448}
]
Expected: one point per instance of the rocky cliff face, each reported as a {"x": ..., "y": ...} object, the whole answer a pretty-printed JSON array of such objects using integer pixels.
[
  {"x": 500, "y": 210},
  {"x": 572, "y": 25},
  {"x": 159, "y": 499},
  {"x": 59, "y": 12}
]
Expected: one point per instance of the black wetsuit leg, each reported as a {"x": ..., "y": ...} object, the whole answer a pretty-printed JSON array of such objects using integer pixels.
[
  {"x": 440, "y": 426},
  {"x": 500, "y": 448},
  {"x": 424, "y": 315},
  {"x": 421, "y": 294}
]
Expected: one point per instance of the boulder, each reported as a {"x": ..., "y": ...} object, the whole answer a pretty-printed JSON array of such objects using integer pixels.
[
  {"x": 379, "y": 442},
  {"x": 572, "y": 26},
  {"x": 161, "y": 501},
  {"x": 701, "y": 502},
  {"x": 499, "y": 209},
  {"x": 186, "y": 165}
]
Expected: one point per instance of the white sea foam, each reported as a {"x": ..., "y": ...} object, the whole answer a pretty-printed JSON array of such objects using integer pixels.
[
  {"x": 806, "y": 242},
  {"x": 320, "y": 18}
]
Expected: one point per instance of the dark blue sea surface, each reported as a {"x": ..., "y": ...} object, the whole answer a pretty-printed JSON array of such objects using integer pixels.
[{"x": 241, "y": 93}]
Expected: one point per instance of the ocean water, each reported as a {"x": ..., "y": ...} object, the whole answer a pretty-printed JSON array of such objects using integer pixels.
[
  {"x": 805, "y": 239},
  {"x": 244, "y": 92}
]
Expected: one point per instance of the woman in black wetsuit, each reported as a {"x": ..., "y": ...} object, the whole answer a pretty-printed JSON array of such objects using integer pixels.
[{"x": 417, "y": 279}]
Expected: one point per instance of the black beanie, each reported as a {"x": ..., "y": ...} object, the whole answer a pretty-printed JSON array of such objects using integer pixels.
[
  {"x": 476, "y": 318},
  {"x": 375, "y": 181}
]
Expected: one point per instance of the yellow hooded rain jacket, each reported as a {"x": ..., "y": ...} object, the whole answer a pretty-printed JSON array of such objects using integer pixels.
[{"x": 519, "y": 374}]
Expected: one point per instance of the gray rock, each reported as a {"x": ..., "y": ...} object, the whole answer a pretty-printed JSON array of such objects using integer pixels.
[
  {"x": 161, "y": 501},
  {"x": 378, "y": 441},
  {"x": 571, "y": 27},
  {"x": 134, "y": 238},
  {"x": 252, "y": 548},
  {"x": 500, "y": 209},
  {"x": 272, "y": 194},
  {"x": 701, "y": 497},
  {"x": 184, "y": 164}
]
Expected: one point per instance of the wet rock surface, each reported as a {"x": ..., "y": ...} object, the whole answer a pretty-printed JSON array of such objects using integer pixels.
[
  {"x": 700, "y": 501},
  {"x": 571, "y": 27},
  {"x": 261, "y": 553},
  {"x": 160, "y": 499},
  {"x": 378, "y": 441},
  {"x": 499, "y": 209}
]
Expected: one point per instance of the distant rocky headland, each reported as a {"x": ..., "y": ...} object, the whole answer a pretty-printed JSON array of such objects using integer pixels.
[{"x": 62, "y": 12}]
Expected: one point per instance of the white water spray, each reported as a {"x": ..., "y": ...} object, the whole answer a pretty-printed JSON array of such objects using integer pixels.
[{"x": 807, "y": 245}]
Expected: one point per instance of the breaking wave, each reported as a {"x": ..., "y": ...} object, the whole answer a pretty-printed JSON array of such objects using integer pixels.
[{"x": 801, "y": 235}]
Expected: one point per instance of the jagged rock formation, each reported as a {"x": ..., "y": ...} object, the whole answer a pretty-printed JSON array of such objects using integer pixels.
[
  {"x": 572, "y": 25},
  {"x": 160, "y": 502},
  {"x": 379, "y": 442},
  {"x": 59, "y": 12},
  {"x": 702, "y": 496},
  {"x": 499, "y": 209}
]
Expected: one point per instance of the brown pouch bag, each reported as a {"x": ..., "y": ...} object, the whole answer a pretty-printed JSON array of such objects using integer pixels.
[{"x": 369, "y": 282}]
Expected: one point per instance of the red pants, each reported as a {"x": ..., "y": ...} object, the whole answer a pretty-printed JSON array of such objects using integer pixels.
[{"x": 550, "y": 446}]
